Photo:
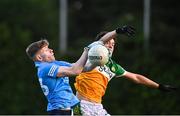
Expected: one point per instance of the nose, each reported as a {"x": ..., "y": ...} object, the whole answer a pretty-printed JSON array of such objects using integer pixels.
[
  {"x": 110, "y": 46},
  {"x": 51, "y": 50}
]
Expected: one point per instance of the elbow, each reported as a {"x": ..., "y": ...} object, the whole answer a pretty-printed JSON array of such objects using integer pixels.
[
  {"x": 136, "y": 80},
  {"x": 77, "y": 71}
]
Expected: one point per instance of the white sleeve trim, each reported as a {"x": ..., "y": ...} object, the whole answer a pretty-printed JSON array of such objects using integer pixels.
[
  {"x": 52, "y": 70},
  {"x": 122, "y": 74}
]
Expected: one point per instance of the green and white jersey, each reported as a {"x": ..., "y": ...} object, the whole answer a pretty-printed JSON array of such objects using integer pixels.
[{"x": 114, "y": 69}]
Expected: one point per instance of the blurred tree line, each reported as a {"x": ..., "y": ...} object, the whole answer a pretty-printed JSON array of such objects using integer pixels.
[{"x": 26, "y": 21}]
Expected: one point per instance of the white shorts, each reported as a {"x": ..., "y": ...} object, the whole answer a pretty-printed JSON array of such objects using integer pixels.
[{"x": 92, "y": 109}]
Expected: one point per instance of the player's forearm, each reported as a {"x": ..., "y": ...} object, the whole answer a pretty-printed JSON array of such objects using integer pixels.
[
  {"x": 79, "y": 65},
  {"x": 145, "y": 81},
  {"x": 108, "y": 36}
]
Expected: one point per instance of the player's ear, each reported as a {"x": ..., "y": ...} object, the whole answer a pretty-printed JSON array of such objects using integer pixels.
[{"x": 38, "y": 57}]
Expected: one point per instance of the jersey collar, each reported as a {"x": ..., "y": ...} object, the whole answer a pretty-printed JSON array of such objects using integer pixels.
[{"x": 37, "y": 64}]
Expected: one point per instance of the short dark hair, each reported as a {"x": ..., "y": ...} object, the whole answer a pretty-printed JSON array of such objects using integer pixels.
[{"x": 34, "y": 47}]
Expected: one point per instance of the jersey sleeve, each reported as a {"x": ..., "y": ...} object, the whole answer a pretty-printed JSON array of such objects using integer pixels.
[
  {"x": 50, "y": 70},
  {"x": 116, "y": 68},
  {"x": 64, "y": 63}
]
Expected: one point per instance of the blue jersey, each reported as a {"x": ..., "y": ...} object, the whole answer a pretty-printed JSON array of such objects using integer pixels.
[{"x": 56, "y": 89}]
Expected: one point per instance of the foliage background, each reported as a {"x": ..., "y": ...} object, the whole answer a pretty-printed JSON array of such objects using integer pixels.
[{"x": 25, "y": 21}]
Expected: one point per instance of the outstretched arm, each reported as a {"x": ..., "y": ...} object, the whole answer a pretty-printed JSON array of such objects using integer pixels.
[
  {"x": 140, "y": 79},
  {"x": 126, "y": 30}
]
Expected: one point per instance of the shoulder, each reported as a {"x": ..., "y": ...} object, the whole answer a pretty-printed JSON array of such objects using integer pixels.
[
  {"x": 48, "y": 69},
  {"x": 46, "y": 66},
  {"x": 116, "y": 68},
  {"x": 63, "y": 63}
]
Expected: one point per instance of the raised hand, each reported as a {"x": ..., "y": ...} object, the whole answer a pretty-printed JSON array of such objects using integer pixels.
[{"x": 127, "y": 30}]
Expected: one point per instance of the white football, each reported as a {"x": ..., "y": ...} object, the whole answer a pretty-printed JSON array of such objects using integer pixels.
[{"x": 98, "y": 55}]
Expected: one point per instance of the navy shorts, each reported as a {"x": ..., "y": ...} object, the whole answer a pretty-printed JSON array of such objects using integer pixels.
[{"x": 60, "y": 112}]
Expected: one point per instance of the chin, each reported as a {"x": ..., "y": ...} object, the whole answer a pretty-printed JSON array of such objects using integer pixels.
[{"x": 51, "y": 60}]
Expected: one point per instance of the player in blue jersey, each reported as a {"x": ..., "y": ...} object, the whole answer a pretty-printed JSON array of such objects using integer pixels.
[{"x": 53, "y": 75}]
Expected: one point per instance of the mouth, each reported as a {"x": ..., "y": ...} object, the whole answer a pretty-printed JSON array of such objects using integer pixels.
[{"x": 52, "y": 55}]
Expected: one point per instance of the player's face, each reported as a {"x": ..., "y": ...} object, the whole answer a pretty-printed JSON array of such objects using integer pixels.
[
  {"x": 46, "y": 54},
  {"x": 110, "y": 45}
]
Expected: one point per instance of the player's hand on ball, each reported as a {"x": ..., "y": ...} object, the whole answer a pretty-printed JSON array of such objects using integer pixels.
[
  {"x": 127, "y": 30},
  {"x": 167, "y": 88}
]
